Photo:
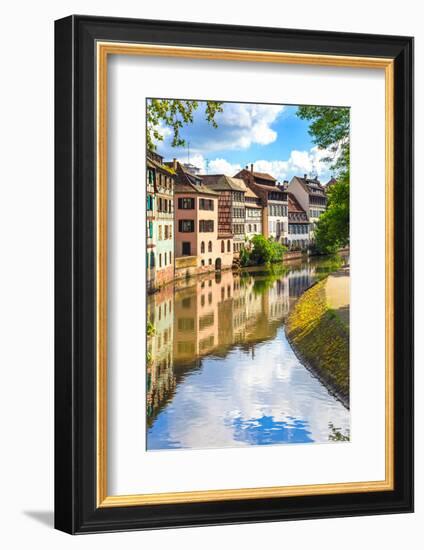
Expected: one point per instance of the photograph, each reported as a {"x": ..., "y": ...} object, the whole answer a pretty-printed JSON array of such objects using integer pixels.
[
  {"x": 247, "y": 274},
  {"x": 233, "y": 259}
]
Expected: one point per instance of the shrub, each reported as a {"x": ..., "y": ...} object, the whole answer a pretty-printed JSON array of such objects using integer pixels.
[{"x": 266, "y": 251}]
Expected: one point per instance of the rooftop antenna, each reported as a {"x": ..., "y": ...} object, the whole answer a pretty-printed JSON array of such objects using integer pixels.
[{"x": 314, "y": 172}]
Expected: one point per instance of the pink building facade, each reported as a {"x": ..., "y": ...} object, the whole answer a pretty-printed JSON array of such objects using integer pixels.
[{"x": 196, "y": 225}]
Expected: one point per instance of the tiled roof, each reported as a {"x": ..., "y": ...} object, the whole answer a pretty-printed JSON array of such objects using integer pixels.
[
  {"x": 263, "y": 176},
  {"x": 220, "y": 182},
  {"x": 193, "y": 188},
  {"x": 189, "y": 183},
  {"x": 153, "y": 163},
  {"x": 311, "y": 186},
  {"x": 293, "y": 204},
  {"x": 296, "y": 212},
  {"x": 250, "y": 193},
  {"x": 270, "y": 188}
]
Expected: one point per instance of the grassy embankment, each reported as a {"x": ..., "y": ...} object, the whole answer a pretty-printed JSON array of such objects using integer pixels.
[{"x": 321, "y": 340}]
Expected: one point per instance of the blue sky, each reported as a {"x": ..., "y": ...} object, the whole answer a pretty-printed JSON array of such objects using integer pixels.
[{"x": 270, "y": 136}]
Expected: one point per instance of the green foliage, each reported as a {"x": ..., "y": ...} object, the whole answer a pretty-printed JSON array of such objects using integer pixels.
[
  {"x": 150, "y": 329},
  {"x": 327, "y": 265},
  {"x": 329, "y": 129},
  {"x": 336, "y": 434},
  {"x": 175, "y": 113},
  {"x": 332, "y": 230},
  {"x": 321, "y": 339},
  {"x": 244, "y": 257},
  {"x": 266, "y": 251}
]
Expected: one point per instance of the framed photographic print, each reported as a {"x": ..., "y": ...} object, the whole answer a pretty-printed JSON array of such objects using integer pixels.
[{"x": 233, "y": 274}]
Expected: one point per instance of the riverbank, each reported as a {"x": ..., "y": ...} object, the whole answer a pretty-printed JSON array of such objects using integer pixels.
[{"x": 318, "y": 330}]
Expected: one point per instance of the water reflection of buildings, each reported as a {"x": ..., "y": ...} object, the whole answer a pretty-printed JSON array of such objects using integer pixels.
[
  {"x": 299, "y": 280},
  {"x": 160, "y": 378},
  {"x": 208, "y": 315}
]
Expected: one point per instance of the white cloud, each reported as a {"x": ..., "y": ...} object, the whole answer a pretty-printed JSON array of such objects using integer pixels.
[
  {"x": 215, "y": 166},
  {"x": 242, "y": 125},
  {"x": 298, "y": 164},
  {"x": 222, "y": 166},
  {"x": 197, "y": 160},
  {"x": 239, "y": 126}
]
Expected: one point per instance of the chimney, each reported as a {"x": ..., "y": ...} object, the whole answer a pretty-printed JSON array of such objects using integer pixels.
[
  {"x": 174, "y": 164},
  {"x": 251, "y": 168}
]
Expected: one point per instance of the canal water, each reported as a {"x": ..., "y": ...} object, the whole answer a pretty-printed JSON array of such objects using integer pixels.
[{"x": 221, "y": 372}]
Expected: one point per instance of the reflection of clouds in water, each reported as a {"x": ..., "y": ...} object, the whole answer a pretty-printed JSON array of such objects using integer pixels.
[
  {"x": 241, "y": 401},
  {"x": 267, "y": 431}
]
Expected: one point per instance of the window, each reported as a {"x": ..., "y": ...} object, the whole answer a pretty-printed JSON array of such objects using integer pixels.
[
  {"x": 228, "y": 246},
  {"x": 206, "y": 204},
  {"x": 186, "y": 226},
  {"x": 202, "y": 247},
  {"x": 250, "y": 228},
  {"x": 160, "y": 204},
  {"x": 206, "y": 321},
  {"x": 150, "y": 230},
  {"x": 160, "y": 260},
  {"x": 151, "y": 176},
  {"x": 170, "y": 258},
  {"x": 152, "y": 259},
  {"x": 255, "y": 228},
  {"x": 170, "y": 231},
  {"x": 164, "y": 259},
  {"x": 186, "y": 249},
  {"x": 186, "y": 324},
  {"x": 185, "y": 347},
  {"x": 210, "y": 246},
  {"x": 222, "y": 246},
  {"x": 166, "y": 232},
  {"x": 202, "y": 263},
  {"x": 160, "y": 232},
  {"x": 206, "y": 343},
  {"x": 210, "y": 261},
  {"x": 206, "y": 226},
  {"x": 186, "y": 203},
  {"x": 149, "y": 202}
]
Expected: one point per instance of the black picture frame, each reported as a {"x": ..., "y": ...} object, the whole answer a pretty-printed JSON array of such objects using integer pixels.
[{"x": 76, "y": 510}]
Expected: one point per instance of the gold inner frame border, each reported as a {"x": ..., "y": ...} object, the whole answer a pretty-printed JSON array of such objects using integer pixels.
[{"x": 103, "y": 50}]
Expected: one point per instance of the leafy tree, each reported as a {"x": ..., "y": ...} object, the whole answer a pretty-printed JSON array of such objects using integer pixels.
[
  {"x": 244, "y": 257},
  {"x": 175, "y": 113},
  {"x": 329, "y": 129},
  {"x": 332, "y": 230},
  {"x": 266, "y": 251}
]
